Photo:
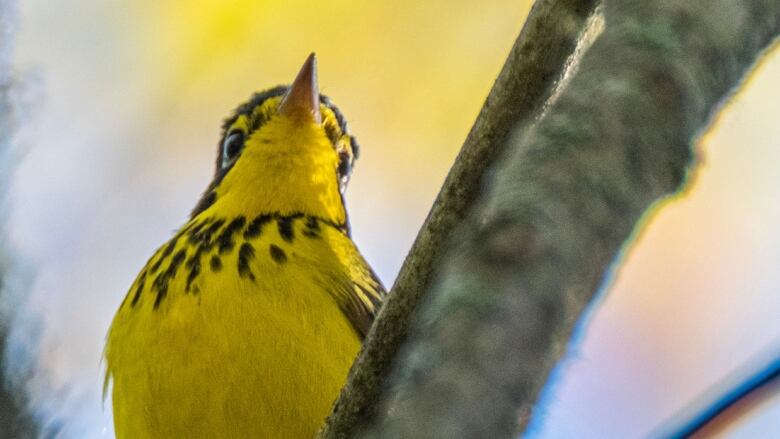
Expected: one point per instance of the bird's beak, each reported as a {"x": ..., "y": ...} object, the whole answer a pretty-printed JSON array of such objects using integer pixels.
[{"x": 303, "y": 97}]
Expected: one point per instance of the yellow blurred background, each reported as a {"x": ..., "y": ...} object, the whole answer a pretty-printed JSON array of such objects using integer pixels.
[{"x": 132, "y": 97}]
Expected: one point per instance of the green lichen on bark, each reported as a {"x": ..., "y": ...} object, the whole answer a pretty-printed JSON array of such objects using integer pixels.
[
  {"x": 534, "y": 64},
  {"x": 495, "y": 290}
]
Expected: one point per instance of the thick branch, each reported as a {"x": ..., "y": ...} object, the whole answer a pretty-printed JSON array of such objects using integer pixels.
[
  {"x": 529, "y": 256},
  {"x": 536, "y": 61}
]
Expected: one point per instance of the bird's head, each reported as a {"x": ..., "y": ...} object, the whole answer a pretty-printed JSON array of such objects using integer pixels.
[{"x": 287, "y": 150}]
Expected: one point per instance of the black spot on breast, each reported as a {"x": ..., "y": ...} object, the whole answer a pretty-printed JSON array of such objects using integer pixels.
[
  {"x": 245, "y": 254},
  {"x": 312, "y": 227},
  {"x": 225, "y": 239},
  {"x": 256, "y": 226},
  {"x": 193, "y": 264},
  {"x": 216, "y": 263},
  {"x": 194, "y": 271},
  {"x": 285, "y": 227},
  {"x": 163, "y": 279},
  {"x": 177, "y": 259},
  {"x": 139, "y": 289},
  {"x": 277, "y": 254},
  {"x": 166, "y": 252},
  {"x": 196, "y": 229},
  {"x": 205, "y": 237}
]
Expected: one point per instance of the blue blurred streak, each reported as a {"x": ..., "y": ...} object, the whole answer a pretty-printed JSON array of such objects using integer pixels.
[{"x": 723, "y": 396}]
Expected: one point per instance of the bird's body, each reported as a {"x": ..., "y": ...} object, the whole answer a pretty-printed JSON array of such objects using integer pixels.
[{"x": 246, "y": 322}]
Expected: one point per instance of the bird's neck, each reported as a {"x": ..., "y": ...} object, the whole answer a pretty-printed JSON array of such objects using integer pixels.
[{"x": 283, "y": 184}]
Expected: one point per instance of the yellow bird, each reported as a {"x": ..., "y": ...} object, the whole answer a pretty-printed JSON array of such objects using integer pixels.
[{"x": 245, "y": 323}]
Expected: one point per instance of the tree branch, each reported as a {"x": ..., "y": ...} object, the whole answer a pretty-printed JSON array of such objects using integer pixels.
[
  {"x": 522, "y": 262},
  {"x": 535, "y": 63}
]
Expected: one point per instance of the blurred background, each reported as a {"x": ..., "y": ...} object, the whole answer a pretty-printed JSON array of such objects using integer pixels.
[{"x": 122, "y": 142}]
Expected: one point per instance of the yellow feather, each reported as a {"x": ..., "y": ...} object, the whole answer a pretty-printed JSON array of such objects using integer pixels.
[{"x": 258, "y": 341}]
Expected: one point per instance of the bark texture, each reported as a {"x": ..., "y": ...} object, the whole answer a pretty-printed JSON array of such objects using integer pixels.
[
  {"x": 507, "y": 261},
  {"x": 526, "y": 81}
]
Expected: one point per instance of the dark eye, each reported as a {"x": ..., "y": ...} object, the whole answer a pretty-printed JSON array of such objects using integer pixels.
[{"x": 232, "y": 146}]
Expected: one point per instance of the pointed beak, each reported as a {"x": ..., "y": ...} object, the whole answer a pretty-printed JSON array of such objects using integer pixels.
[{"x": 303, "y": 97}]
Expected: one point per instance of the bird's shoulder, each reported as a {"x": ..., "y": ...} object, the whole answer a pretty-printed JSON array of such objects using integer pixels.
[{"x": 349, "y": 278}]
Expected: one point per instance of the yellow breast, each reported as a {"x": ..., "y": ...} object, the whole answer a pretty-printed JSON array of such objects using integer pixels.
[
  {"x": 235, "y": 329},
  {"x": 245, "y": 323}
]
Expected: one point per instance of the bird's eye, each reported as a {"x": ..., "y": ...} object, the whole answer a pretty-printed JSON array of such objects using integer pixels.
[{"x": 231, "y": 148}]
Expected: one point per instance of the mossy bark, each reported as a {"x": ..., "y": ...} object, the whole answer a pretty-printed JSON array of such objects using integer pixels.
[
  {"x": 528, "y": 77},
  {"x": 535, "y": 211}
]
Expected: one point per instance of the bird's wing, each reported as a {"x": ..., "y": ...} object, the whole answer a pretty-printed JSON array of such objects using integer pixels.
[
  {"x": 366, "y": 296},
  {"x": 355, "y": 286}
]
